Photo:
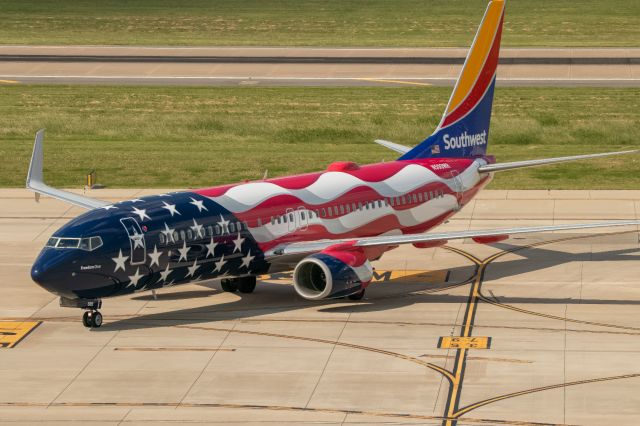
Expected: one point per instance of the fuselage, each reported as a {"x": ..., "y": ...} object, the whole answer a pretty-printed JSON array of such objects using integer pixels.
[{"x": 236, "y": 230}]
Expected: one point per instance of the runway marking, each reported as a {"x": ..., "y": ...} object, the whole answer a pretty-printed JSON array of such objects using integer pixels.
[
  {"x": 13, "y": 332},
  {"x": 271, "y": 78},
  {"x": 380, "y": 80},
  {"x": 453, "y": 342}
]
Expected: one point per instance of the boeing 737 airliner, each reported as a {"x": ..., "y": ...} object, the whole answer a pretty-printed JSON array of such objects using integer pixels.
[{"x": 327, "y": 227}]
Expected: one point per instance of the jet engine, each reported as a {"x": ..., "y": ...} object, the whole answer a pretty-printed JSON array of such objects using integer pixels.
[{"x": 332, "y": 274}]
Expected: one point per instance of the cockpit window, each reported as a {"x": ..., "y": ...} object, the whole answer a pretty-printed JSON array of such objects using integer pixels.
[
  {"x": 87, "y": 244},
  {"x": 68, "y": 243}
]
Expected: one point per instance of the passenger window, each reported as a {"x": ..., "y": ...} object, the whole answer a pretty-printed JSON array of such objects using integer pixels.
[
  {"x": 291, "y": 217},
  {"x": 420, "y": 196},
  {"x": 335, "y": 210},
  {"x": 259, "y": 222},
  {"x": 302, "y": 215},
  {"x": 415, "y": 198},
  {"x": 232, "y": 227},
  {"x": 273, "y": 220},
  {"x": 175, "y": 236},
  {"x": 392, "y": 201},
  {"x": 182, "y": 236},
  {"x": 239, "y": 226},
  {"x": 348, "y": 208},
  {"x": 379, "y": 203},
  {"x": 323, "y": 213},
  {"x": 341, "y": 209},
  {"x": 217, "y": 229},
  {"x": 359, "y": 205},
  {"x": 284, "y": 219},
  {"x": 189, "y": 235},
  {"x": 161, "y": 238}
]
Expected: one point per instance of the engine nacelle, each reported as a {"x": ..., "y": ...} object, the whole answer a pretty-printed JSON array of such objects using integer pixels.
[{"x": 332, "y": 274}]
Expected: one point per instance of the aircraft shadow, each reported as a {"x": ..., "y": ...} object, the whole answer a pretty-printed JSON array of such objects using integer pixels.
[{"x": 272, "y": 298}]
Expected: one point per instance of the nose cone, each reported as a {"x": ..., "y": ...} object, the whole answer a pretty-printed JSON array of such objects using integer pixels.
[{"x": 52, "y": 271}]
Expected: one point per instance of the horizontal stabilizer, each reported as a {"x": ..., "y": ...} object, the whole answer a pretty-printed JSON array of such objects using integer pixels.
[
  {"x": 488, "y": 168},
  {"x": 393, "y": 146},
  {"x": 36, "y": 183}
]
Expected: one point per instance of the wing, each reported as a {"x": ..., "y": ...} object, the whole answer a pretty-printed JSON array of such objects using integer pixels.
[
  {"x": 37, "y": 185},
  {"x": 392, "y": 240}
]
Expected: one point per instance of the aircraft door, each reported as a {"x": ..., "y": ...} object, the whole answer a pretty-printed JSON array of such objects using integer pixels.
[
  {"x": 138, "y": 253},
  {"x": 458, "y": 188}
]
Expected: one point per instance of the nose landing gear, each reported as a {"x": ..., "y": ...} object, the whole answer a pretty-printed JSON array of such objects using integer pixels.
[{"x": 92, "y": 319}]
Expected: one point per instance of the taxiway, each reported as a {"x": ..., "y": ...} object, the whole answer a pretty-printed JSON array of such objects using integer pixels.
[{"x": 535, "y": 330}]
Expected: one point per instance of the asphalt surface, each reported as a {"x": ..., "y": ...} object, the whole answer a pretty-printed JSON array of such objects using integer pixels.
[
  {"x": 308, "y": 67},
  {"x": 535, "y": 330}
]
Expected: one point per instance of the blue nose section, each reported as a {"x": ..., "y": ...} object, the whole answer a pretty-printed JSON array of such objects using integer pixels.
[{"x": 52, "y": 271}]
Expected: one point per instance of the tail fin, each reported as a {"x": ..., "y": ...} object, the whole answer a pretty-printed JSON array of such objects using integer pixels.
[{"x": 464, "y": 128}]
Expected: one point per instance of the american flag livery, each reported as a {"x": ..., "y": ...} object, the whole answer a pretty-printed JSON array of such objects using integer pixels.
[{"x": 350, "y": 201}]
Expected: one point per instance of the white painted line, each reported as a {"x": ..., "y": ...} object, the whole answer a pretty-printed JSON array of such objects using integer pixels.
[{"x": 190, "y": 77}]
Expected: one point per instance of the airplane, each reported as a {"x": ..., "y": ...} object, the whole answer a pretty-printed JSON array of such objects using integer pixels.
[{"x": 327, "y": 227}]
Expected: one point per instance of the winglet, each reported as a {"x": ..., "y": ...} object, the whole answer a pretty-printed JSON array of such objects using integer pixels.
[
  {"x": 393, "y": 146},
  {"x": 35, "y": 167},
  {"x": 35, "y": 181}
]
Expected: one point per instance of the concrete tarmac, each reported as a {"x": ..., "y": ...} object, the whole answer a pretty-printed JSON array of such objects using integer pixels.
[
  {"x": 552, "y": 327},
  {"x": 308, "y": 66}
]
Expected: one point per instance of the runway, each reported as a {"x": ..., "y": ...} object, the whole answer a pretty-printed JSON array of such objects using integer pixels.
[
  {"x": 535, "y": 330},
  {"x": 308, "y": 67}
]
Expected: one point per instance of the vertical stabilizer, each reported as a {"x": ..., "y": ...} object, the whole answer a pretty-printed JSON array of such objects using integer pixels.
[{"x": 464, "y": 128}]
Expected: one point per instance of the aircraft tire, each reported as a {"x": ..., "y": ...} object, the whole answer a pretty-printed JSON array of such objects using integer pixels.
[
  {"x": 247, "y": 284},
  {"x": 96, "y": 320},
  {"x": 229, "y": 286},
  {"x": 86, "y": 321},
  {"x": 357, "y": 296}
]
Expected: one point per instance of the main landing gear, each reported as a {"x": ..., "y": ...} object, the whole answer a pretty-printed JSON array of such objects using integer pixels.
[{"x": 243, "y": 285}]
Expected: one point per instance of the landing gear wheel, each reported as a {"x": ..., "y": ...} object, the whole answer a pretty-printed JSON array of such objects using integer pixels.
[
  {"x": 96, "y": 319},
  {"x": 92, "y": 319},
  {"x": 247, "y": 284},
  {"x": 357, "y": 296},
  {"x": 229, "y": 286}
]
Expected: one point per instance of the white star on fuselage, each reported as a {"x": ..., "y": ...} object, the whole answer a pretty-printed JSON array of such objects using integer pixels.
[
  {"x": 155, "y": 256},
  {"x": 168, "y": 232},
  {"x": 137, "y": 241},
  {"x": 120, "y": 261},
  {"x": 211, "y": 248},
  {"x": 238, "y": 243},
  {"x": 109, "y": 207},
  {"x": 199, "y": 204},
  {"x": 197, "y": 228},
  {"x": 135, "y": 278},
  {"x": 165, "y": 274},
  {"x": 183, "y": 251},
  {"x": 219, "y": 264},
  {"x": 247, "y": 260},
  {"x": 193, "y": 269},
  {"x": 223, "y": 225},
  {"x": 140, "y": 212},
  {"x": 171, "y": 208}
]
